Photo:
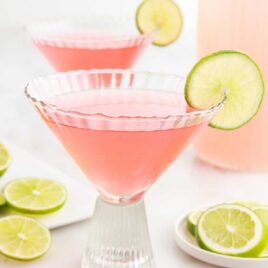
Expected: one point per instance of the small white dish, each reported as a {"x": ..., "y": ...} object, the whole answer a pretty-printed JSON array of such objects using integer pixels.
[{"x": 188, "y": 244}]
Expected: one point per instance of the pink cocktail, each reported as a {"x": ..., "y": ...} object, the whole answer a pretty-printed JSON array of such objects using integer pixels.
[
  {"x": 123, "y": 132},
  {"x": 123, "y": 162},
  {"x": 89, "y": 44}
]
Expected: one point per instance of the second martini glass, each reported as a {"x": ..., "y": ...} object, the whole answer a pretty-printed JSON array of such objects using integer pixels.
[
  {"x": 93, "y": 43},
  {"x": 123, "y": 128}
]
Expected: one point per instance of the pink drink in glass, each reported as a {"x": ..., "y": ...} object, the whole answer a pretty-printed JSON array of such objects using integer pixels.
[
  {"x": 123, "y": 128},
  {"x": 89, "y": 44},
  {"x": 122, "y": 162},
  {"x": 122, "y": 55}
]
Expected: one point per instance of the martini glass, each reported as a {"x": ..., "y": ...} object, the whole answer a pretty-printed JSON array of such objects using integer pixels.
[
  {"x": 94, "y": 43},
  {"x": 123, "y": 135}
]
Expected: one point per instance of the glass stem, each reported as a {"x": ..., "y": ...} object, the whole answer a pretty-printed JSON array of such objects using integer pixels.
[{"x": 118, "y": 237}]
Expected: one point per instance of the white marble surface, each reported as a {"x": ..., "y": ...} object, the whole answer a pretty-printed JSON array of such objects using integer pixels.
[{"x": 187, "y": 183}]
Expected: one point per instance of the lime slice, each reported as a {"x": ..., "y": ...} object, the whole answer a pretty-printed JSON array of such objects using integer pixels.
[
  {"x": 262, "y": 213},
  {"x": 162, "y": 18},
  {"x": 192, "y": 220},
  {"x": 229, "y": 73},
  {"x": 2, "y": 200},
  {"x": 231, "y": 229},
  {"x": 32, "y": 195},
  {"x": 23, "y": 238},
  {"x": 5, "y": 159}
]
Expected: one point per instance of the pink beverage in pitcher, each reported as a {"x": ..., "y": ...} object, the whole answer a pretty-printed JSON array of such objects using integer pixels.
[
  {"x": 122, "y": 162},
  {"x": 238, "y": 25}
]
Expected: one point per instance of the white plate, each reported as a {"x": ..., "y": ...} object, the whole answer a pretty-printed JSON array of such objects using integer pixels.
[
  {"x": 81, "y": 198},
  {"x": 188, "y": 244}
]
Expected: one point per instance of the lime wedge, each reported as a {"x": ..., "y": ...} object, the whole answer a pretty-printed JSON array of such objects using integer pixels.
[
  {"x": 192, "y": 220},
  {"x": 32, "y": 195},
  {"x": 2, "y": 200},
  {"x": 231, "y": 229},
  {"x": 229, "y": 73},
  {"x": 162, "y": 18},
  {"x": 23, "y": 238},
  {"x": 262, "y": 213},
  {"x": 5, "y": 159}
]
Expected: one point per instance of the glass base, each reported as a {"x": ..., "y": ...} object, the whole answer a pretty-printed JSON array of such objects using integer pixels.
[{"x": 118, "y": 237}]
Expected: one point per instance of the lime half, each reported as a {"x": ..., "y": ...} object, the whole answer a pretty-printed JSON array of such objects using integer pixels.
[
  {"x": 231, "y": 74},
  {"x": 230, "y": 229},
  {"x": 32, "y": 195},
  {"x": 23, "y": 238},
  {"x": 162, "y": 18},
  {"x": 262, "y": 213},
  {"x": 5, "y": 159},
  {"x": 192, "y": 220}
]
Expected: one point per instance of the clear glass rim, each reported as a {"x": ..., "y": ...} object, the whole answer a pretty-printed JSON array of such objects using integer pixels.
[
  {"x": 212, "y": 110},
  {"x": 36, "y": 29}
]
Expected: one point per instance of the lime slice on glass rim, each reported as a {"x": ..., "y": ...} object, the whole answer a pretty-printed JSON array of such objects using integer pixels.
[
  {"x": 34, "y": 195},
  {"x": 231, "y": 229},
  {"x": 192, "y": 220},
  {"x": 162, "y": 18},
  {"x": 23, "y": 238},
  {"x": 5, "y": 159},
  {"x": 231, "y": 74}
]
